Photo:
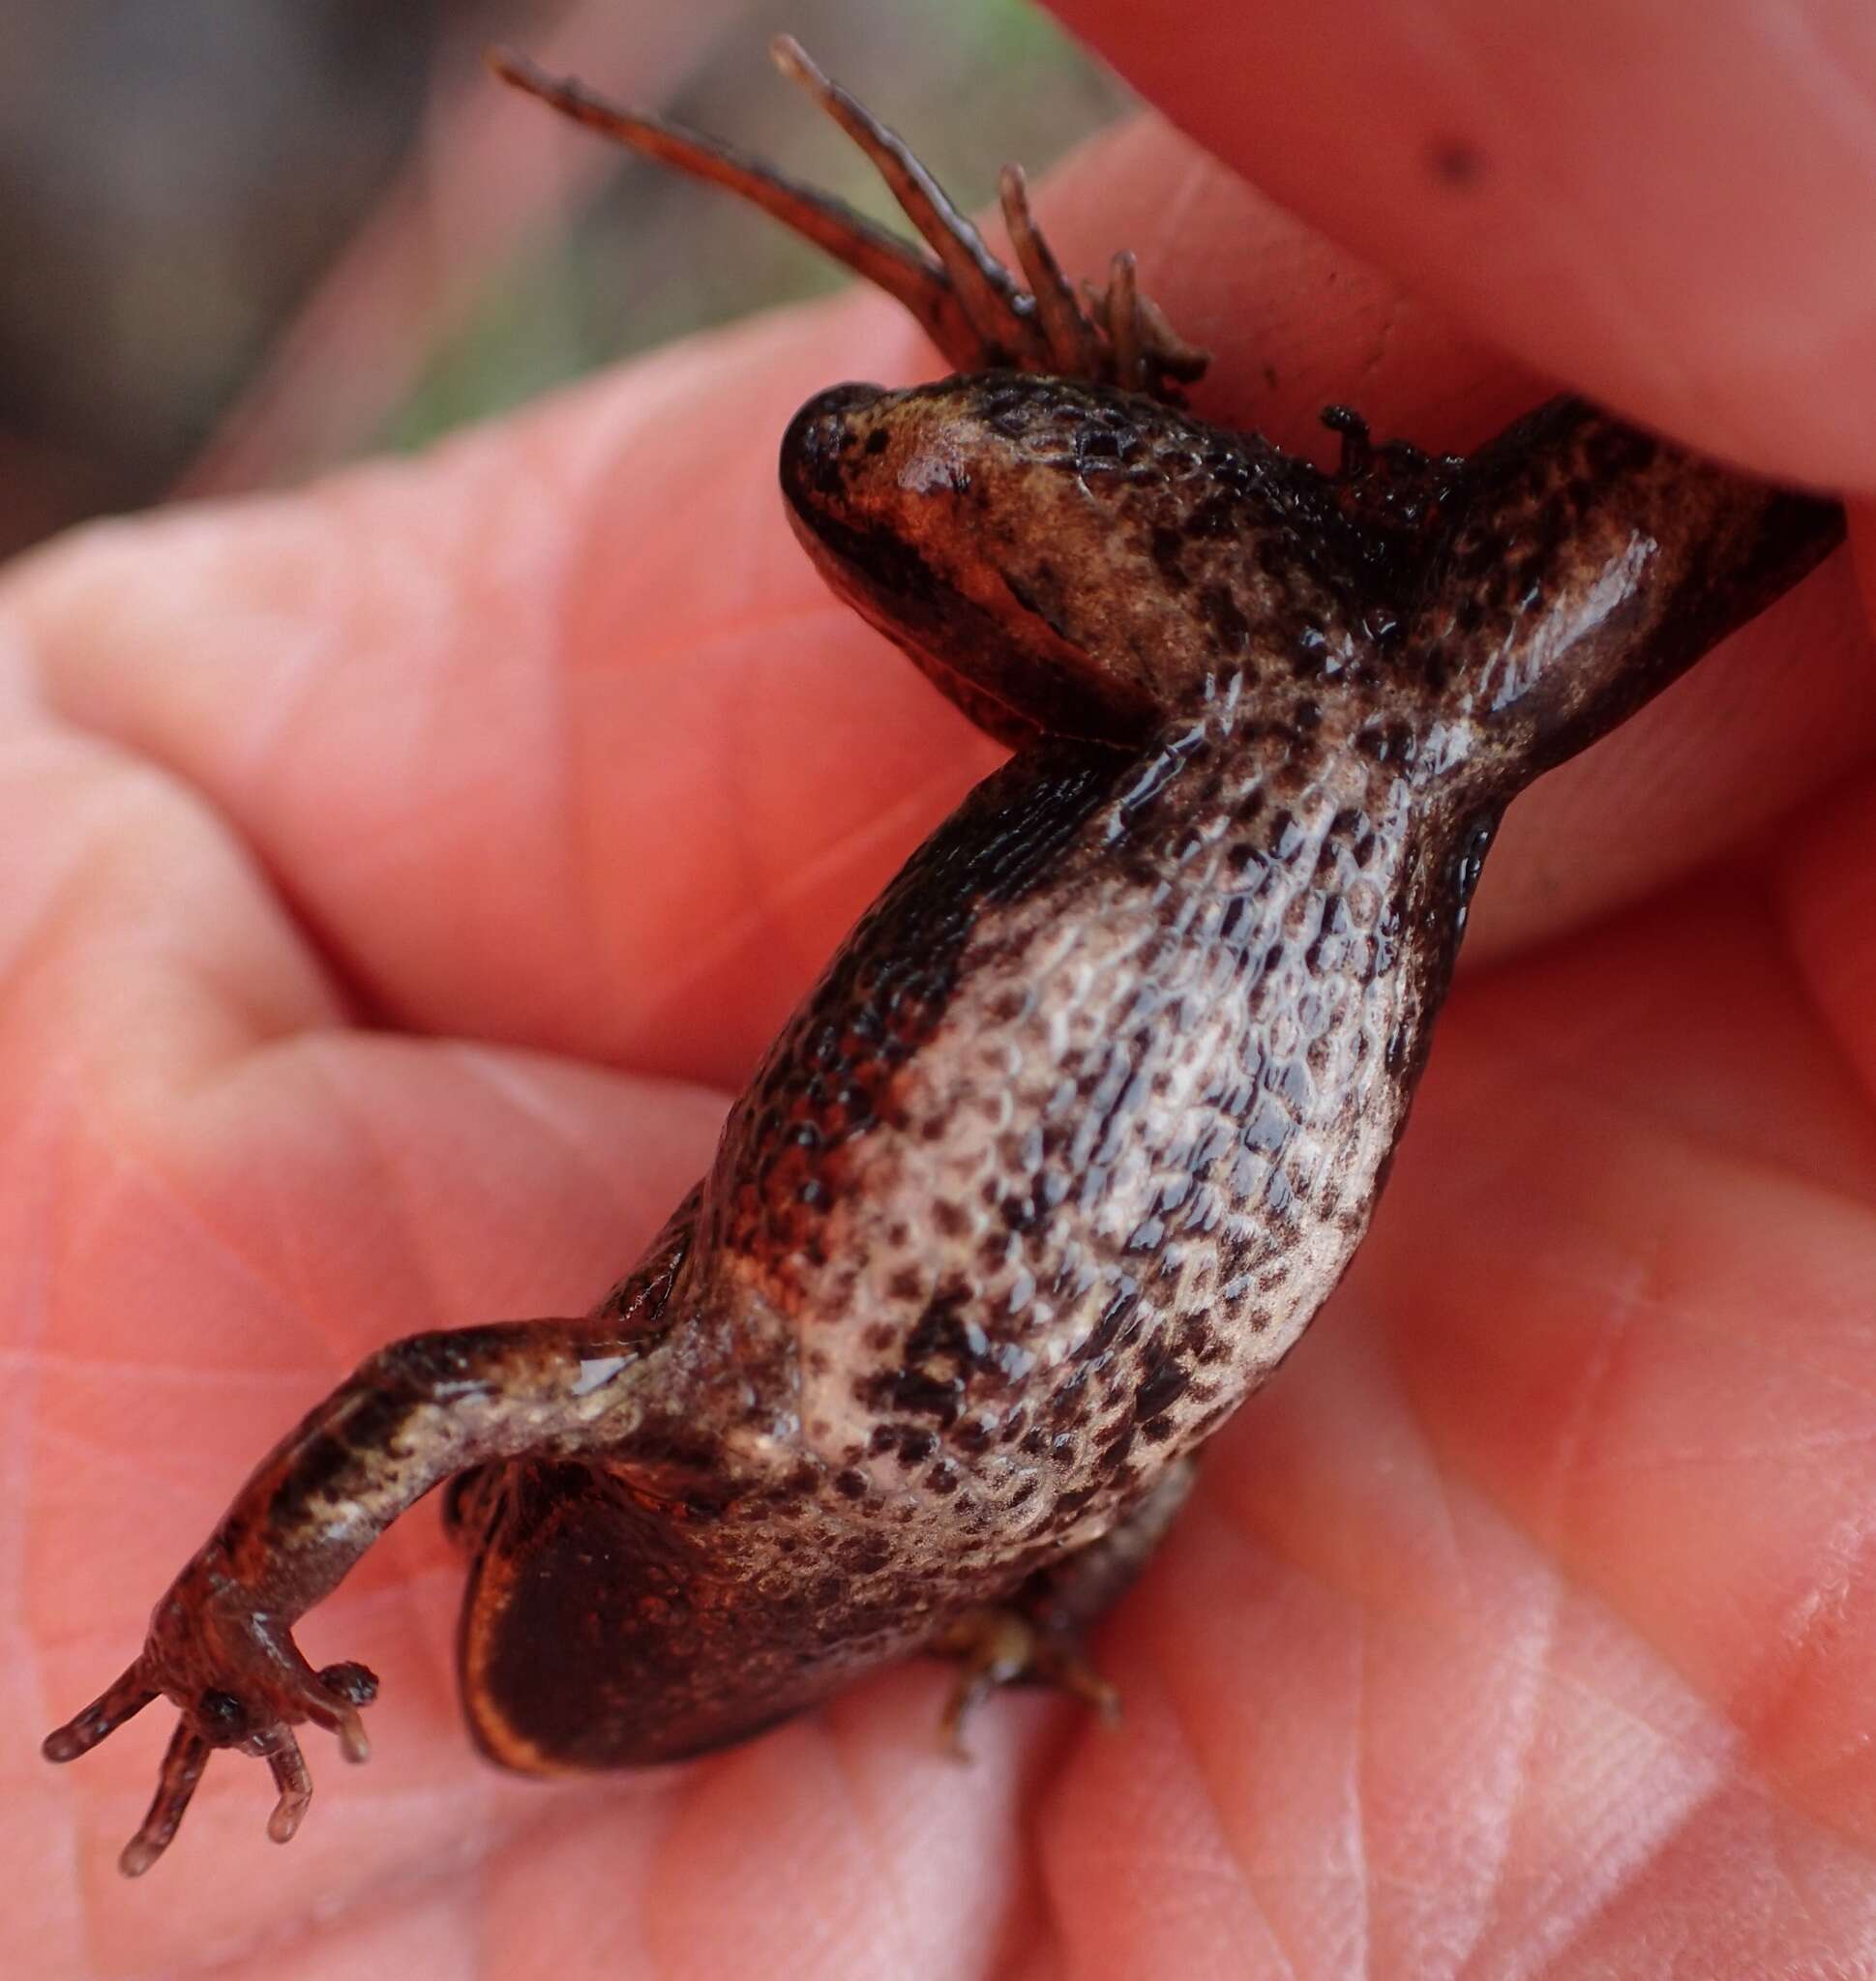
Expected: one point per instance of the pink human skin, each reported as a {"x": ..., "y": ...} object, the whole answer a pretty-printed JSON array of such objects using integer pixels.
[{"x": 1549, "y": 1537}]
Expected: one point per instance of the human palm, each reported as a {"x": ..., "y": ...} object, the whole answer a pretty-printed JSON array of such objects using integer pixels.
[{"x": 393, "y": 877}]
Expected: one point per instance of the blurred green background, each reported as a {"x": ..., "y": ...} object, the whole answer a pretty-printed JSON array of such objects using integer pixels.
[{"x": 244, "y": 243}]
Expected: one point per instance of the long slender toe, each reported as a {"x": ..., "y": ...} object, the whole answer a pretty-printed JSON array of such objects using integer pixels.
[{"x": 182, "y": 1770}]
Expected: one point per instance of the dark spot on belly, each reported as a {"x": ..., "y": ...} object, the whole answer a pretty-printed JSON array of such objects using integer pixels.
[
  {"x": 1223, "y": 615},
  {"x": 1070, "y": 1506},
  {"x": 1168, "y": 547},
  {"x": 1163, "y": 1380},
  {"x": 866, "y": 1553}
]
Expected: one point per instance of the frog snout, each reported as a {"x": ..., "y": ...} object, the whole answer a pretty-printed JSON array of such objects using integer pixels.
[{"x": 828, "y": 428}]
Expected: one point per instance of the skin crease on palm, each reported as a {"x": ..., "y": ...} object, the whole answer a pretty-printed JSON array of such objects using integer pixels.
[{"x": 395, "y": 876}]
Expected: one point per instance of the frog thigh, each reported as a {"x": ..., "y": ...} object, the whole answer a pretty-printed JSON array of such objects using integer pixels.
[{"x": 600, "y": 1630}]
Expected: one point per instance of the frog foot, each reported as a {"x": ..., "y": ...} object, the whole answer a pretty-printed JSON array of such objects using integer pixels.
[
  {"x": 239, "y": 1681},
  {"x": 996, "y": 1645},
  {"x": 977, "y": 312}
]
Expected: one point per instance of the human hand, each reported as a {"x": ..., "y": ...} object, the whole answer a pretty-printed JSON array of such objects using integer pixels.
[{"x": 1519, "y": 1621}]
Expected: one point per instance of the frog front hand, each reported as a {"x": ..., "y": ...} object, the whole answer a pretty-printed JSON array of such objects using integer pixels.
[
  {"x": 411, "y": 1415},
  {"x": 238, "y": 1680}
]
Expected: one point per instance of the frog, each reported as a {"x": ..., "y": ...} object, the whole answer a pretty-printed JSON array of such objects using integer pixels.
[{"x": 1082, "y": 1124}]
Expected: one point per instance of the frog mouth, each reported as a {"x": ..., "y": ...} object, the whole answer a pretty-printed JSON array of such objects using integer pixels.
[
  {"x": 889, "y": 515},
  {"x": 898, "y": 593}
]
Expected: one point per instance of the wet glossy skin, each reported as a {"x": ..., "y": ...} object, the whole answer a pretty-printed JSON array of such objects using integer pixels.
[{"x": 1082, "y": 1123}]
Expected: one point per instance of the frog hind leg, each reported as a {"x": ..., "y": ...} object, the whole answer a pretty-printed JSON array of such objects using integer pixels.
[
  {"x": 600, "y": 1630},
  {"x": 976, "y": 310},
  {"x": 1034, "y": 1636}
]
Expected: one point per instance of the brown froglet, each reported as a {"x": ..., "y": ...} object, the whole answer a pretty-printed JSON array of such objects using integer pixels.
[{"x": 1090, "y": 1111}]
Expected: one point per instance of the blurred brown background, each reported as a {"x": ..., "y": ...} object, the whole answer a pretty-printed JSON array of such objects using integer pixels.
[{"x": 244, "y": 243}]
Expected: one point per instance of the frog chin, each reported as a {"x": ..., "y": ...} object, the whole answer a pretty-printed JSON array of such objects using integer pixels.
[{"x": 1003, "y": 665}]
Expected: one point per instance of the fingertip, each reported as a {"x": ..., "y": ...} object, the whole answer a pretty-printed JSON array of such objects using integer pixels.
[
  {"x": 137, "y": 1855},
  {"x": 62, "y": 1744}
]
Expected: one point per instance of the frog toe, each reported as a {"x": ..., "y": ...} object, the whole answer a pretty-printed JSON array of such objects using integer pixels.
[{"x": 998, "y": 1645}]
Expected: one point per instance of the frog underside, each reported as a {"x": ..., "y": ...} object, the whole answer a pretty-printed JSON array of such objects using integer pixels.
[{"x": 1087, "y": 1115}]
